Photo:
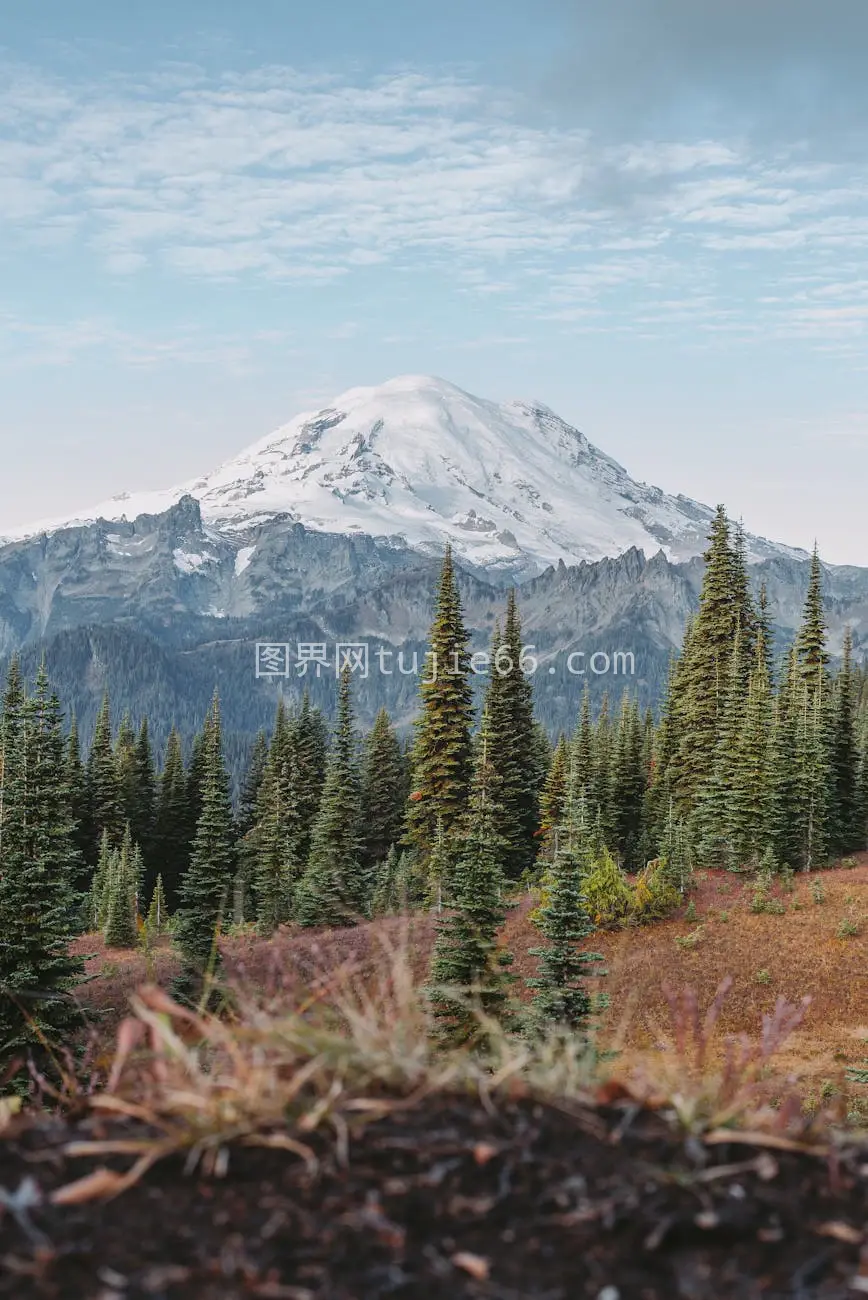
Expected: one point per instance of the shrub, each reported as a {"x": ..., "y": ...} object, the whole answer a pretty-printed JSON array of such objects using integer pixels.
[
  {"x": 763, "y": 977},
  {"x": 608, "y": 892}
]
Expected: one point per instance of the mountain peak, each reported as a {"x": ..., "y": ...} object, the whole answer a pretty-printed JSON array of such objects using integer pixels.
[{"x": 512, "y": 485}]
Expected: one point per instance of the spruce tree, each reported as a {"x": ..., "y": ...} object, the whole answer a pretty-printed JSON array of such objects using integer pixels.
[
  {"x": 120, "y": 922},
  {"x": 334, "y": 889},
  {"x": 103, "y": 785},
  {"x": 748, "y": 811},
  {"x": 158, "y": 913},
  {"x": 442, "y": 751},
  {"x": 75, "y": 778},
  {"x": 38, "y": 903},
  {"x": 468, "y": 968},
  {"x": 561, "y": 998},
  {"x": 171, "y": 844},
  {"x": 553, "y": 802},
  {"x": 272, "y": 846},
  {"x": 205, "y": 889},
  {"x": 848, "y": 829},
  {"x": 251, "y": 784},
  {"x": 310, "y": 739},
  {"x": 143, "y": 809},
  {"x": 384, "y": 791},
  {"x": 509, "y": 705},
  {"x": 627, "y": 797}
]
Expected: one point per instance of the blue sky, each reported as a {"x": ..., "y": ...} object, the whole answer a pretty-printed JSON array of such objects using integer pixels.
[{"x": 651, "y": 214}]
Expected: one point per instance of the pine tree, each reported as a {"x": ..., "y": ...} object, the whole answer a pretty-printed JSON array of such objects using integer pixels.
[
  {"x": 707, "y": 666},
  {"x": 811, "y": 653},
  {"x": 272, "y": 845},
  {"x": 561, "y": 997},
  {"x": 553, "y": 802},
  {"x": 103, "y": 785},
  {"x": 158, "y": 912},
  {"x": 120, "y": 923},
  {"x": 442, "y": 751},
  {"x": 784, "y": 809},
  {"x": 142, "y": 809},
  {"x": 75, "y": 779},
  {"x": 38, "y": 903},
  {"x": 468, "y": 969},
  {"x": 311, "y": 746},
  {"x": 627, "y": 797},
  {"x": 509, "y": 705},
  {"x": 335, "y": 890},
  {"x": 205, "y": 889},
  {"x": 600, "y": 803},
  {"x": 250, "y": 786},
  {"x": 748, "y": 807},
  {"x": 384, "y": 791},
  {"x": 848, "y": 829},
  {"x": 171, "y": 844}
]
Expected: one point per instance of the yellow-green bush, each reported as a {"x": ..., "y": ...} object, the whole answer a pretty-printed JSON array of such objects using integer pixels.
[{"x": 614, "y": 898}]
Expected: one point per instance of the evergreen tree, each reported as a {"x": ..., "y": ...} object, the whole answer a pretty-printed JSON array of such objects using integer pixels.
[
  {"x": 171, "y": 844},
  {"x": 811, "y": 653},
  {"x": 158, "y": 912},
  {"x": 748, "y": 813},
  {"x": 273, "y": 843},
  {"x": 627, "y": 797},
  {"x": 120, "y": 923},
  {"x": 38, "y": 903},
  {"x": 707, "y": 666},
  {"x": 848, "y": 827},
  {"x": 509, "y": 705},
  {"x": 384, "y": 791},
  {"x": 75, "y": 779},
  {"x": 442, "y": 750},
  {"x": 553, "y": 802},
  {"x": 205, "y": 889},
  {"x": 142, "y": 809},
  {"x": 561, "y": 994},
  {"x": 103, "y": 785},
  {"x": 600, "y": 803},
  {"x": 335, "y": 890},
  {"x": 250, "y": 786},
  {"x": 468, "y": 968},
  {"x": 311, "y": 747}
]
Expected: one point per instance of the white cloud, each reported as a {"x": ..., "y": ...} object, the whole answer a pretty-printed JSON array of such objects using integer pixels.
[{"x": 282, "y": 176}]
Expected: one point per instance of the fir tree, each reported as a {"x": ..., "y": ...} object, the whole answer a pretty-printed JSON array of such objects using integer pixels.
[
  {"x": 142, "y": 808},
  {"x": 335, "y": 890},
  {"x": 811, "y": 653},
  {"x": 171, "y": 844},
  {"x": 468, "y": 969},
  {"x": 251, "y": 784},
  {"x": 442, "y": 751},
  {"x": 561, "y": 995},
  {"x": 553, "y": 802},
  {"x": 509, "y": 705},
  {"x": 272, "y": 845},
  {"x": 205, "y": 889},
  {"x": 120, "y": 923},
  {"x": 384, "y": 791},
  {"x": 103, "y": 785},
  {"x": 627, "y": 797},
  {"x": 75, "y": 779},
  {"x": 38, "y": 903},
  {"x": 848, "y": 828},
  {"x": 311, "y": 746},
  {"x": 158, "y": 912}
]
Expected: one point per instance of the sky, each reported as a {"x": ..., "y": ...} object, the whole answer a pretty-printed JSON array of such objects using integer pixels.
[{"x": 651, "y": 215}]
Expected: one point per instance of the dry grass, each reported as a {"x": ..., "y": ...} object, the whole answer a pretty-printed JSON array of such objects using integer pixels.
[{"x": 795, "y": 954}]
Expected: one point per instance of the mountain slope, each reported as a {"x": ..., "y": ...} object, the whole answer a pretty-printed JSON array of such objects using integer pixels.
[{"x": 513, "y": 486}]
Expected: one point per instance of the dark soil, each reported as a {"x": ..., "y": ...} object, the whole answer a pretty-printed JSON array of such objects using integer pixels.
[{"x": 447, "y": 1200}]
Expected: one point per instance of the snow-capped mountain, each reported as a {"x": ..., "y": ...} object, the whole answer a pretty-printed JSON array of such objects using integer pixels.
[{"x": 512, "y": 485}]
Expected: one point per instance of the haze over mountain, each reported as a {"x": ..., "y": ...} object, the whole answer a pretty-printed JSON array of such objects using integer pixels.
[{"x": 513, "y": 486}]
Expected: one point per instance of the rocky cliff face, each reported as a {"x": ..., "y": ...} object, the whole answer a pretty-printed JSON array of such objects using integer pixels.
[{"x": 165, "y": 607}]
